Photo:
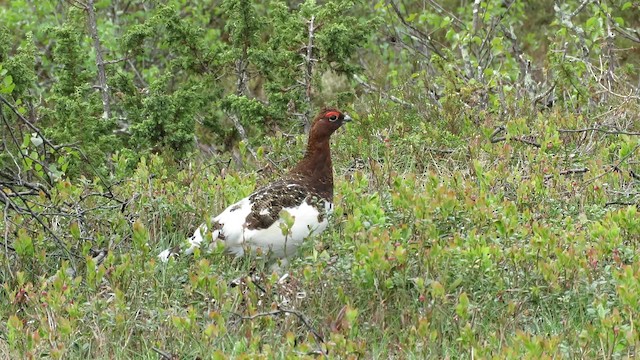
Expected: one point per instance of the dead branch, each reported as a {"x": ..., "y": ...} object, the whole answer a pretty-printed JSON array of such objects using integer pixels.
[
  {"x": 544, "y": 94},
  {"x": 164, "y": 355},
  {"x": 574, "y": 171},
  {"x": 528, "y": 140},
  {"x": 621, "y": 203},
  {"x": 5, "y": 199},
  {"x": 568, "y": 172},
  {"x": 600, "y": 130},
  {"x": 78, "y": 4}
]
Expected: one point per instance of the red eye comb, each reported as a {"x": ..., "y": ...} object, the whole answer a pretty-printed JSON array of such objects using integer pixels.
[{"x": 332, "y": 113}]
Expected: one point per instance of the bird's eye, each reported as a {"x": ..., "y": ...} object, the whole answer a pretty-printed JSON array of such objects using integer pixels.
[{"x": 333, "y": 117}]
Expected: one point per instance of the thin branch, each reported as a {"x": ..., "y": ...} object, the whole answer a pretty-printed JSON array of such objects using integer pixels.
[
  {"x": 569, "y": 172},
  {"x": 494, "y": 138},
  {"x": 78, "y": 4},
  {"x": 115, "y": 61},
  {"x": 137, "y": 73},
  {"x": 243, "y": 134}
]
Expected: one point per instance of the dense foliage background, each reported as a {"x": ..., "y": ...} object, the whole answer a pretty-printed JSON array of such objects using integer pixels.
[{"x": 487, "y": 193}]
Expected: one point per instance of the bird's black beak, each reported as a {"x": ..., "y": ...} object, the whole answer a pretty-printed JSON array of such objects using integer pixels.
[{"x": 346, "y": 118}]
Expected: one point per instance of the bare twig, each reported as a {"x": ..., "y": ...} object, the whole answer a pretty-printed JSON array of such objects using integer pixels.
[
  {"x": 574, "y": 171},
  {"x": 115, "y": 61},
  {"x": 137, "y": 73},
  {"x": 78, "y": 4},
  {"x": 37, "y": 218},
  {"x": 608, "y": 50},
  {"x": 20, "y": 194}
]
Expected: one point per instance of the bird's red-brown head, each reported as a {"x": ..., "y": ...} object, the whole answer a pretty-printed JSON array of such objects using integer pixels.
[{"x": 327, "y": 122}]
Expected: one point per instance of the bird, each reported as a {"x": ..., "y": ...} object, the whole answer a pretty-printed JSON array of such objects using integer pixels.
[{"x": 276, "y": 218}]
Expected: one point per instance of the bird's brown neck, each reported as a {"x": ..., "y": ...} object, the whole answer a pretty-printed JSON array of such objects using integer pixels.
[{"x": 315, "y": 168}]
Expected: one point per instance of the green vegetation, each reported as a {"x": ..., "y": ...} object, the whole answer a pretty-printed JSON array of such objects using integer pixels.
[{"x": 486, "y": 194}]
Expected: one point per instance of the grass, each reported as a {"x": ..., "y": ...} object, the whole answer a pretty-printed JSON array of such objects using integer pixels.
[{"x": 443, "y": 245}]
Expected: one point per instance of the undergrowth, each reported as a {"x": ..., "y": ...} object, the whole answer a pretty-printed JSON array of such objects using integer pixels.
[{"x": 488, "y": 249}]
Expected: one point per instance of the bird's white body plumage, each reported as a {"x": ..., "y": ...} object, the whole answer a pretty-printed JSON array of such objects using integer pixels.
[{"x": 231, "y": 229}]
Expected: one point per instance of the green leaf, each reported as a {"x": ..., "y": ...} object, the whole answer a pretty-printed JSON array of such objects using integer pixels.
[
  {"x": 75, "y": 230},
  {"x": 23, "y": 244}
]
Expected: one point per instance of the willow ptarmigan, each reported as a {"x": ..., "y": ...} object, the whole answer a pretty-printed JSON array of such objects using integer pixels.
[{"x": 305, "y": 193}]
